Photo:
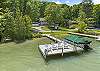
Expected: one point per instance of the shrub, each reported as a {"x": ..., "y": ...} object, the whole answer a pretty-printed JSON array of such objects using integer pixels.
[
  {"x": 81, "y": 27},
  {"x": 38, "y": 35}
]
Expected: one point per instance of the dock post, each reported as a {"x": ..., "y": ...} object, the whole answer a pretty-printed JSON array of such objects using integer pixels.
[
  {"x": 46, "y": 52},
  {"x": 63, "y": 49},
  {"x": 62, "y": 52}
]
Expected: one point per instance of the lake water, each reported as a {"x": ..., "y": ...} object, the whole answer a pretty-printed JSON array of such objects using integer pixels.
[
  {"x": 89, "y": 61},
  {"x": 30, "y": 59}
]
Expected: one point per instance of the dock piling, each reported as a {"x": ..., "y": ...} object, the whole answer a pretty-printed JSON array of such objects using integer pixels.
[{"x": 62, "y": 52}]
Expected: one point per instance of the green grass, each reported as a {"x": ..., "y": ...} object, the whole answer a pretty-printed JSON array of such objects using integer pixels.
[
  {"x": 97, "y": 31},
  {"x": 57, "y": 34},
  {"x": 62, "y": 32},
  {"x": 60, "y": 29},
  {"x": 67, "y": 29},
  {"x": 92, "y": 32},
  {"x": 63, "y": 29},
  {"x": 23, "y": 56},
  {"x": 45, "y": 28}
]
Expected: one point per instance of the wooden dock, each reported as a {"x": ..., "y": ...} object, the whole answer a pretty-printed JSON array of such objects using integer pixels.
[
  {"x": 58, "y": 48},
  {"x": 51, "y": 37},
  {"x": 98, "y": 38}
]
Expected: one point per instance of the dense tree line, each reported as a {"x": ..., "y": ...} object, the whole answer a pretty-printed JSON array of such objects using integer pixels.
[
  {"x": 85, "y": 12},
  {"x": 16, "y": 16},
  {"x": 66, "y": 15}
]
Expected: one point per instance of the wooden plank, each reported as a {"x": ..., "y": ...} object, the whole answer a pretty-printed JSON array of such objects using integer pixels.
[
  {"x": 98, "y": 38},
  {"x": 51, "y": 37}
]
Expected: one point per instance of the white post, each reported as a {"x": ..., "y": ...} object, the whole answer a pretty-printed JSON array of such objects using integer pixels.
[
  {"x": 62, "y": 52},
  {"x": 62, "y": 48}
]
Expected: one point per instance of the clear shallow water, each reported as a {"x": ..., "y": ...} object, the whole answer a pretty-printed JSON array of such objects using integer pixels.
[{"x": 30, "y": 59}]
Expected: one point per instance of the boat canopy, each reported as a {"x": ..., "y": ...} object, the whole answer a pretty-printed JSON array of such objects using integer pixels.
[{"x": 77, "y": 39}]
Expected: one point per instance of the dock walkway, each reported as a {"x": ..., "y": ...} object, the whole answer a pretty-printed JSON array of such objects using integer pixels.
[{"x": 51, "y": 37}]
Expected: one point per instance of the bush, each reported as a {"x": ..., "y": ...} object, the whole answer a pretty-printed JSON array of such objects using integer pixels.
[
  {"x": 38, "y": 35},
  {"x": 82, "y": 27}
]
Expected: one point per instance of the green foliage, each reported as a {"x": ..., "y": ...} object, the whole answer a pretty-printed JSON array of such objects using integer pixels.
[
  {"x": 34, "y": 10},
  {"x": 53, "y": 13},
  {"x": 75, "y": 11},
  {"x": 7, "y": 26},
  {"x": 96, "y": 13},
  {"x": 87, "y": 7},
  {"x": 19, "y": 27},
  {"x": 46, "y": 28},
  {"x": 28, "y": 27},
  {"x": 81, "y": 27},
  {"x": 14, "y": 23},
  {"x": 82, "y": 16},
  {"x": 42, "y": 8},
  {"x": 37, "y": 35},
  {"x": 67, "y": 12},
  {"x": 23, "y": 27},
  {"x": 16, "y": 16}
]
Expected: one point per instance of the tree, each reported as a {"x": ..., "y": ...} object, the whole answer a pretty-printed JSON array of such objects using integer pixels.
[
  {"x": 53, "y": 13},
  {"x": 67, "y": 15},
  {"x": 28, "y": 27},
  {"x": 34, "y": 10},
  {"x": 82, "y": 16},
  {"x": 85, "y": 12},
  {"x": 7, "y": 26},
  {"x": 43, "y": 5},
  {"x": 96, "y": 13},
  {"x": 81, "y": 21},
  {"x": 14, "y": 23},
  {"x": 87, "y": 7},
  {"x": 67, "y": 12},
  {"x": 23, "y": 27},
  {"x": 1, "y": 28},
  {"x": 75, "y": 11}
]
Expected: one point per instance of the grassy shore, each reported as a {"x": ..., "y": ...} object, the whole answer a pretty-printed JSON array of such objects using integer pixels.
[
  {"x": 64, "y": 29},
  {"x": 57, "y": 34}
]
